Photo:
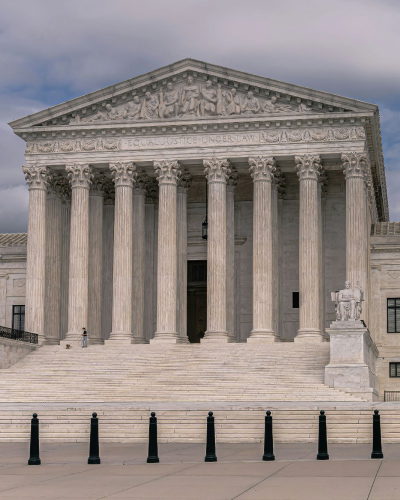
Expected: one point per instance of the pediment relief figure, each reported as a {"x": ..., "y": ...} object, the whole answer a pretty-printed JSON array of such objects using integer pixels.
[{"x": 197, "y": 99}]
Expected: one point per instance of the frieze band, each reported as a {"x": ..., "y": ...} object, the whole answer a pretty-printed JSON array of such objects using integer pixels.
[{"x": 265, "y": 137}]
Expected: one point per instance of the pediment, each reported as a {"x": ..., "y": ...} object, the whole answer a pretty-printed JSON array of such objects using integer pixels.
[{"x": 190, "y": 90}]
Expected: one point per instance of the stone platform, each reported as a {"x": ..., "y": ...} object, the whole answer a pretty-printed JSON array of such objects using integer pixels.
[{"x": 239, "y": 382}]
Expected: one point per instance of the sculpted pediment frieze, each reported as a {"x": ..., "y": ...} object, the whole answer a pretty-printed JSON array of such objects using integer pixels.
[{"x": 189, "y": 96}]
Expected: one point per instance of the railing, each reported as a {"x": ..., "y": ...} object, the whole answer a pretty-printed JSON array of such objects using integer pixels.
[
  {"x": 392, "y": 396},
  {"x": 13, "y": 334}
]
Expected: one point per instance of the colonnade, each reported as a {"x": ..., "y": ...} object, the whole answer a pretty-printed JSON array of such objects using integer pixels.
[{"x": 86, "y": 260}]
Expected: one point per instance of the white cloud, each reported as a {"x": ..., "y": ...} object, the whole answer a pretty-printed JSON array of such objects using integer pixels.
[{"x": 54, "y": 50}]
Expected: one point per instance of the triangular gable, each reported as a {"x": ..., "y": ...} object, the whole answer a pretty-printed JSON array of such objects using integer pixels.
[{"x": 192, "y": 89}]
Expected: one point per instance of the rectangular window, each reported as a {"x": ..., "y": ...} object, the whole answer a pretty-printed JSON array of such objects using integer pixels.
[
  {"x": 393, "y": 315},
  {"x": 18, "y": 319},
  {"x": 295, "y": 300},
  {"x": 394, "y": 370}
]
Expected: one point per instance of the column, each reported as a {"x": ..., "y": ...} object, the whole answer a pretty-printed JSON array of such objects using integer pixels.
[
  {"x": 230, "y": 254},
  {"x": 108, "y": 256},
  {"x": 80, "y": 176},
  {"x": 356, "y": 169},
  {"x": 37, "y": 177},
  {"x": 150, "y": 310},
  {"x": 96, "y": 198},
  {"x": 275, "y": 253},
  {"x": 139, "y": 258},
  {"x": 308, "y": 168},
  {"x": 168, "y": 174},
  {"x": 217, "y": 171},
  {"x": 66, "y": 227},
  {"x": 53, "y": 260},
  {"x": 124, "y": 177},
  {"x": 261, "y": 170},
  {"x": 181, "y": 310}
]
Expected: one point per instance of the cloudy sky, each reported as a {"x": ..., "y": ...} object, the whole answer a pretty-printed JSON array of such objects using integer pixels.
[{"x": 52, "y": 51}]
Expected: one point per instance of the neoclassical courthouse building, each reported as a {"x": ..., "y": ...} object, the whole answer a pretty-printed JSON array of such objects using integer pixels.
[{"x": 197, "y": 203}]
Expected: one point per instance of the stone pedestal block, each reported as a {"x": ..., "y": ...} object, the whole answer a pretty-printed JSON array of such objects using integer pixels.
[{"x": 352, "y": 360}]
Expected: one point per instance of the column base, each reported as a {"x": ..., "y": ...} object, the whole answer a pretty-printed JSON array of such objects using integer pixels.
[
  {"x": 51, "y": 341},
  {"x": 264, "y": 336},
  {"x": 139, "y": 340},
  {"x": 309, "y": 335},
  {"x": 165, "y": 338},
  {"x": 215, "y": 336},
  {"x": 183, "y": 340},
  {"x": 95, "y": 341},
  {"x": 120, "y": 338}
]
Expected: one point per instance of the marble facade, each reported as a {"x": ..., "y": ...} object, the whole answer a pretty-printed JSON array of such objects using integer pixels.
[{"x": 117, "y": 184}]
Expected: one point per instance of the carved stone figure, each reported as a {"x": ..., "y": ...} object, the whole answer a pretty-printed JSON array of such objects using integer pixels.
[
  {"x": 150, "y": 107},
  {"x": 190, "y": 98},
  {"x": 271, "y": 106},
  {"x": 233, "y": 103},
  {"x": 109, "y": 114},
  {"x": 169, "y": 102},
  {"x": 132, "y": 109},
  {"x": 209, "y": 100},
  {"x": 348, "y": 302},
  {"x": 304, "y": 108},
  {"x": 251, "y": 105}
]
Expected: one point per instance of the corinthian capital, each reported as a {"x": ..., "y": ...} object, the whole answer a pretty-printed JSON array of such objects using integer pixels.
[
  {"x": 233, "y": 178},
  {"x": 355, "y": 165},
  {"x": 308, "y": 167},
  {"x": 58, "y": 186},
  {"x": 99, "y": 182},
  {"x": 168, "y": 172},
  {"x": 80, "y": 175},
  {"x": 123, "y": 173},
  {"x": 37, "y": 176},
  {"x": 217, "y": 169},
  {"x": 262, "y": 168},
  {"x": 185, "y": 180}
]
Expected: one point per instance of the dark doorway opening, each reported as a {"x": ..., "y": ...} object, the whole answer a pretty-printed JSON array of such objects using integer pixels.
[{"x": 197, "y": 300}]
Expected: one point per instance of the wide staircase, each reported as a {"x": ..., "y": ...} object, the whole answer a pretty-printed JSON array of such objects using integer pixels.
[{"x": 181, "y": 383}]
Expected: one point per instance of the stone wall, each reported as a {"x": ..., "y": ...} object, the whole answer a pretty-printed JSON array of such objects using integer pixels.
[{"x": 11, "y": 351}]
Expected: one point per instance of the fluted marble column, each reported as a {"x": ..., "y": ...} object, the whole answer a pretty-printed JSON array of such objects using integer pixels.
[
  {"x": 124, "y": 177},
  {"x": 53, "y": 260},
  {"x": 66, "y": 227},
  {"x": 37, "y": 177},
  {"x": 139, "y": 258},
  {"x": 96, "y": 198},
  {"x": 275, "y": 253},
  {"x": 356, "y": 169},
  {"x": 217, "y": 172},
  {"x": 308, "y": 168},
  {"x": 181, "y": 229},
  {"x": 108, "y": 256},
  {"x": 168, "y": 174},
  {"x": 230, "y": 254},
  {"x": 80, "y": 176},
  {"x": 261, "y": 170}
]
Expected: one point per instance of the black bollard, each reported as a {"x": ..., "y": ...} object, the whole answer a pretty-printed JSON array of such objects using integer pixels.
[
  {"x": 153, "y": 446},
  {"x": 94, "y": 457},
  {"x": 34, "y": 458},
  {"x": 376, "y": 437},
  {"x": 322, "y": 438},
  {"x": 210, "y": 447},
  {"x": 268, "y": 439}
]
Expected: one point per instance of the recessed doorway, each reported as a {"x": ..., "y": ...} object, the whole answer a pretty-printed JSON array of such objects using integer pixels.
[{"x": 197, "y": 300}]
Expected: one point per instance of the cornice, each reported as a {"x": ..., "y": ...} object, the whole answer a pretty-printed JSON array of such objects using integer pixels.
[{"x": 225, "y": 76}]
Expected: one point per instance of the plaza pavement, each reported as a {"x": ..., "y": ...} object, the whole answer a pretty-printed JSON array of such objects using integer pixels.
[{"x": 182, "y": 474}]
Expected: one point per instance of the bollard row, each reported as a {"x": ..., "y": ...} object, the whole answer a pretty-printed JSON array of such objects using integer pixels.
[{"x": 152, "y": 457}]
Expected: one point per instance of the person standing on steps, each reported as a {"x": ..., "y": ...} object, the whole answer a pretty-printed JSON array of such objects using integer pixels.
[{"x": 84, "y": 337}]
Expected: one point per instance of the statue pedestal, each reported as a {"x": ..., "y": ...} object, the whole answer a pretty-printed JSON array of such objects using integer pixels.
[{"x": 352, "y": 360}]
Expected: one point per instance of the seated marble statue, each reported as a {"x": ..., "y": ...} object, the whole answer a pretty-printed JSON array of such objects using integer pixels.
[{"x": 348, "y": 302}]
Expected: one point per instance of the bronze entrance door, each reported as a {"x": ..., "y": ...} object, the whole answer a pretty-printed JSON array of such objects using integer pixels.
[{"x": 197, "y": 300}]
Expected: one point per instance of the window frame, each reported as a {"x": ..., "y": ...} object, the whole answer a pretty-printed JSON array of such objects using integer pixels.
[
  {"x": 20, "y": 314},
  {"x": 395, "y": 308},
  {"x": 397, "y": 363}
]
